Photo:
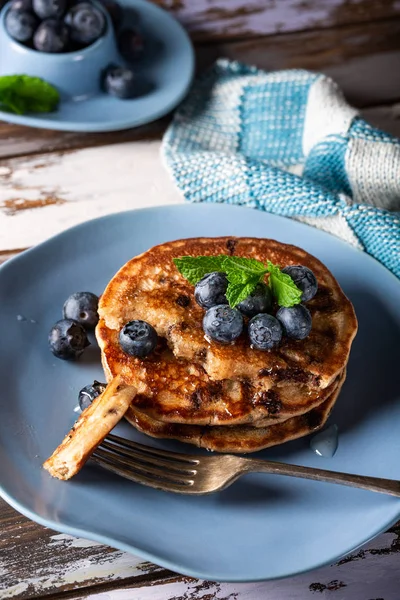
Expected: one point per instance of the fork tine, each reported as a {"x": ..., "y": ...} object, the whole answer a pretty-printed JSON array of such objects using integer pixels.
[
  {"x": 149, "y": 459},
  {"x": 141, "y": 468},
  {"x": 165, "y": 454},
  {"x": 140, "y": 478}
]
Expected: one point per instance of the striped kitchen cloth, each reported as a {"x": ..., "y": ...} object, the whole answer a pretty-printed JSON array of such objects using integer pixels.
[{"x": 288, "y": 143}]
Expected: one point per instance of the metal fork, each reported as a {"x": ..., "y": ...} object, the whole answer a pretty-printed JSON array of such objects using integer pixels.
[{"x": 190, "y": 474}]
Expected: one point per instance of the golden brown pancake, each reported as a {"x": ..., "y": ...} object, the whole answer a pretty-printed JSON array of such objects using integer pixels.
[
  {"x": 149, "y": 287},
  {"x": 239, "y": 439},
  {"x": 177, "y": 391}
]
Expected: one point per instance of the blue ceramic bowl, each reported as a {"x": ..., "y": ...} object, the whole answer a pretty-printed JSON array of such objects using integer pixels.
[{"x": 76, "y": 75}]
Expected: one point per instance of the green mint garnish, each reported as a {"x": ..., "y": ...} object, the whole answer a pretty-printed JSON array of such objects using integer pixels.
[
  {"x": 243, "y": 275},
  {"x": 23, "y": 94},
  {"x": 193, "y": 268},
  {"x": 283, "y": 287}
]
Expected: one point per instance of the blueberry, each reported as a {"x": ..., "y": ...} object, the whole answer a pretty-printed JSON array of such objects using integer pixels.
[
  {"x": 115, "y": 11},
  {"x": 138, "y": 338},
  {"x": 86, "y": 22},
  {"x": 49, "y": 9},
  {"x": 130, "y": 44},
  {"x": 82, "y": 307},
  {"x": 265, "y": 332},
  {"x": 51, "y": 36},
  {"x": 296, "y": 321},
  {"x": 305, "y": 280},
  {"x": 20, "y": 25},
  {"x": 120, "y": 82},
  {"x": 21, "y": 5},
  {"x": 89, "y": 393},
  {"x": 210, "y": 290},
  {"x": 260, "y": 301},
  {"x": 222, "y": 323},
  {"x": 67, "y": 339}
]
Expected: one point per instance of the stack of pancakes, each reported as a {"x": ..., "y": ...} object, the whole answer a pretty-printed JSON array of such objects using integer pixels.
[{"x": 228, "y": 398}]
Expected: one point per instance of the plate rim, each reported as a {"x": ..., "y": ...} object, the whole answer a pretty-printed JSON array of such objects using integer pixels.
[
  {"x": 57, "y": 124},
  {"x": 130, "y": 548}
]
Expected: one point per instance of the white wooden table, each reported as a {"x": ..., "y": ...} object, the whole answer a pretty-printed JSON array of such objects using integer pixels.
[{"x": 50, "y": 181}]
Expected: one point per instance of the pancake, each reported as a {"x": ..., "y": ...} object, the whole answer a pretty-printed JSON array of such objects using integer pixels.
[
  {"x": 239, "y": 439},
  {"x": 177, "y": 391},
  {"x": 149, "y": 287}
]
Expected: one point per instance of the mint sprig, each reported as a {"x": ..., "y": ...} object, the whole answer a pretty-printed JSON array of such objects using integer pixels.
[
  {"x": 23, "y": 94},
  {"x": 243, "y": 275},
  {"x": 283, "y": 287}
]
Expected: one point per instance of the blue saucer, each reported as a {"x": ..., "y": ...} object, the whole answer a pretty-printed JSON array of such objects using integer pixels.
[{"x": 164, "y": 75}]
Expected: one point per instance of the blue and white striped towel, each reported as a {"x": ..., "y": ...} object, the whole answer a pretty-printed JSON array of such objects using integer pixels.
[{"x": 288, "y": 143}]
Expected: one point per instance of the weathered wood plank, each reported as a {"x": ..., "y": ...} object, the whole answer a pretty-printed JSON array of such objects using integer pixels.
[
  {"x": 243, "y": 18},
  {"x": 37, "y": 562},
  {"x": 42, "y": 195},
  {"x": 355, "y": 56},
  {"x": 363, "y": 59}
]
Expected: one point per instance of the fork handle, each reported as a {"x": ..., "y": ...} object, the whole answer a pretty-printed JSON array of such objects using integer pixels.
[{"x": 373, "y": 484}]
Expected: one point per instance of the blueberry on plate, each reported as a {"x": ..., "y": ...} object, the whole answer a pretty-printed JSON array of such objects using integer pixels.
[
  {"x": 49, "y": 9},
  {"x": 88, "y": 393},
  {"x": 265, "y": 332},
  {"x": 223, "y": 324},
  {"x": 138, "y": 338},
  {"x": 51, "y": 36},
  {"x": 82, "y": 307},
  {"x": 86, "y": 22},
  {"x": 120, "y": 82},
  {"x": 296, "y": 321},
  {"x": 305, "y": 280},
  {"x": 130, "y": 44},
  {"x": 20, "y": 25},
  {"x": 210, "y": 290},
  {"x": 260, "y": 301},
  {"x": 67, "y": 339}
]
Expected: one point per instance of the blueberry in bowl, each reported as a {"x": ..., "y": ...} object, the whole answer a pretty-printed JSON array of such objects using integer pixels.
[{"x": 49, "y": 53}]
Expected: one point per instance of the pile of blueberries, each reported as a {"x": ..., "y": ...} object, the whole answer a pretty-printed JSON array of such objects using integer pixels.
[
  {"x": 56, "y": 26},
  {"x": 224, "y": 324}
]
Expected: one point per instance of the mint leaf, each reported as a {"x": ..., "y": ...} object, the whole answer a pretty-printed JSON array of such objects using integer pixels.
[
  {"x": 247, "y": 266},
  {"x": 237, "y": 292},
  {"x": 283, "y": 287},
  {"x": 22, "y": 94},
  {"x": 193, "y": 268}
]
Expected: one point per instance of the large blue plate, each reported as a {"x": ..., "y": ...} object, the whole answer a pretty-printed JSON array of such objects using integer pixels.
[
  {"x": 263, "y": 526},
  {"x": 166, "y": 71}
]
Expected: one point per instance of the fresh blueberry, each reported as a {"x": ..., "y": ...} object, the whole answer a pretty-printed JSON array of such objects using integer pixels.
[
  {"x": 49, "y": 9},
  {"x": 82, "y": 307},
  {"x": 223, "y": 324},
  {"x": 51, "y": 36},
  {"x": 305, "y": 280},
  {"x": 67, "y": 339},
  {"x": 115, "y": 11},
  {"x": 21, "y": 5},
  {"x": 210, "y": 290},
  {"x": 260, "y": 301},
  {"x": 265, "y": 332},
  {"x": 89, "y": 393},
  {"x": 296, "y": 321},
  {"x": 138, "y": 338},
  {"x": 130, "y": 44},
  {"x": 20, "y": 25},
  {"x": 120, "y": 82},
  {"x": 86, "y": 22}
]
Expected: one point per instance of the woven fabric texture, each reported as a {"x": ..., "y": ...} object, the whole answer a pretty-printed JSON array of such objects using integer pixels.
[{"x": 288, "y": 143}]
